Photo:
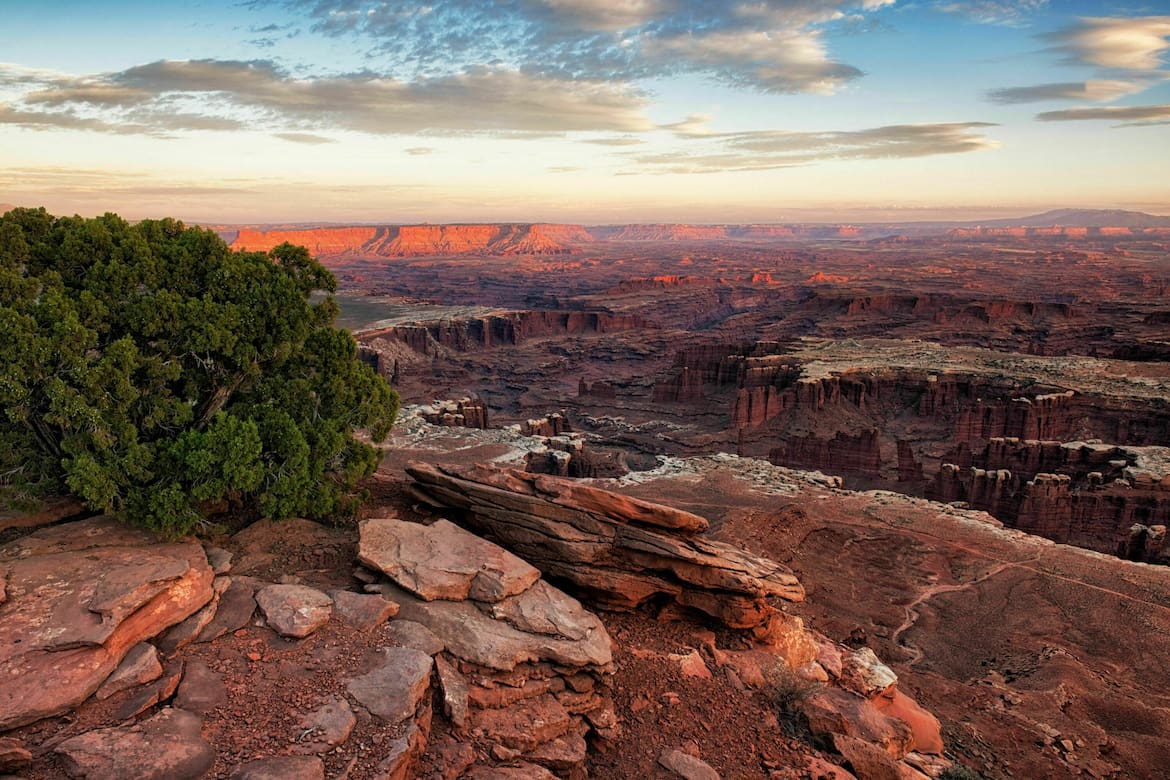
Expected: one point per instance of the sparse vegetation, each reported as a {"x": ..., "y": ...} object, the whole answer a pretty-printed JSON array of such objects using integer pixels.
[
  {"x": 788, "y": 691},
  {"x": 154, "y": 373},
  {"x": 959, "y": 772}
]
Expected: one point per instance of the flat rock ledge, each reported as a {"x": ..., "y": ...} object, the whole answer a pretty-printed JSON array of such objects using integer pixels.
[
  {"x": 78, "y": 598},
  {"x": 521, "y": 671},
  {"x": 616, "y": 551}
]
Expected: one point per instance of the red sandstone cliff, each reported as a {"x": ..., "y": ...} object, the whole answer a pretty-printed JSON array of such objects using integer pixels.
[{"x": 421, "y": 240}]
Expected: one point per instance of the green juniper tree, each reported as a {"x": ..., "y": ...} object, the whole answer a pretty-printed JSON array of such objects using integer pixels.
[{"x": 151, "y": 371}]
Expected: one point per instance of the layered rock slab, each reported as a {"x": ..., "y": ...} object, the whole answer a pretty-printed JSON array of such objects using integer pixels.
[
  {"x": 620, "y": 551},
  {"x": 523, "y": 673},
  {"x": 79, "y": 597}
]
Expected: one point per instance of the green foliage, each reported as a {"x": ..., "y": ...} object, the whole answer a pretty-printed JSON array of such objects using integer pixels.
[
  {"x": 959, "y": 772},
  {"x": 153, "y": 372}
]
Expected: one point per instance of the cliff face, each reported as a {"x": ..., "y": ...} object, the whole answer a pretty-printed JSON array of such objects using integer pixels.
[
  {"x": 501, "y": 329},
  {"x": 421, "y": 240}
]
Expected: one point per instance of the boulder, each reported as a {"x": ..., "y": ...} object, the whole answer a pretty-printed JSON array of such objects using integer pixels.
[
  {"x": 362, "y": 610},
  {"x": 235, "y": 608},
  {"x": 686, "y": 766},
  {"x": 833, "y": 712},
  {"x": 294, "y": 610},
  {"x": 79, "y": 597},
  {"x": 201, "y": 689},
  {"x": 327, "y": 726},
  {"x": 394, "y": 690},
  {"x": 140, "y": 666},
  {"x": 407, "y": 633},
  {"x": 281, "y": 768},
  {"x": 927, "y": 731},
  {"x": 167, "y": 746},
  {"x": 442, "y": 561},
  {"x": 470, "y": 634}
]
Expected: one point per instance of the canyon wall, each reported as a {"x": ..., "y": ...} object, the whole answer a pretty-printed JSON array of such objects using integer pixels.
[
  {"x": 500, "y": 329},
  {"x": 421, "y": 240}
]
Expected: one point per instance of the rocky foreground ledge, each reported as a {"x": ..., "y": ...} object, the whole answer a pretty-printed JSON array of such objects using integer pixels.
[{"x": 441, "y": 655}]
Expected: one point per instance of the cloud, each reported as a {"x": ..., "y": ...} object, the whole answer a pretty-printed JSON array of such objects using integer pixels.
[
  {"x": 767, "y": 150},
  {"x": 1115, "y": 43},
  {"x": 772, "y": 45},
  {"x": 621, "y": 140},
  {"x": 1141, "y": 114},
  {"x": 1010, "y": 13},
  {"x": 305, "y": 138},
  {"x": 1093, "y": 90},
  {"x": 416, "y": 151},
  {"x": 225, "y": 94}
]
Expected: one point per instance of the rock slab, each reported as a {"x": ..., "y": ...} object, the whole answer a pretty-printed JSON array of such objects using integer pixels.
[
  {"x": 294, "y": 610},
  {"x": 442, "y": 561},
  {"x": 79, "y": 597},
  {"x": 167, "y": 746}
]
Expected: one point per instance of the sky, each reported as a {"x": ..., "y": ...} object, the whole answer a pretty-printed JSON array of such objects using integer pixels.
[{"x": 589, "y": 111}]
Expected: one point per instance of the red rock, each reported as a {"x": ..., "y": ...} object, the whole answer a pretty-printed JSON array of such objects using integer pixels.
[
  {"x": 394, "y": 690},
  {"x": 80, "y": 596},
  {"x": 867, "y": 761},
  {"x": 281, "y": 768},
  {"x": 686, "y": 766},
  {"x": 520, "y": 770},
  {"x": 233, "y": 612},
  {"x": 328, "y": 726},
  {"x": 140, "y": 666},
  {"x": 407, "y": 633},
  {"x": 13, "y": 754},
  {"x": 363, "y": 611},
  {"x": 454, "y": 689},
  {"x": 201, "y": 689},
  {"x": 926, "y": 728},
  {"x": 294, "y": 610},
  {"x": 403, "y": 756},
  {"x": 525, "y": 725},
  {"x": 167, "y": 746},
  {"x": 471, "y": 635},
  {"x": 830, "y": 712},
  {"x": 156, "y": 693},
  {"x": 442, "y": 561},
  {"x": 691, "y": 665}
]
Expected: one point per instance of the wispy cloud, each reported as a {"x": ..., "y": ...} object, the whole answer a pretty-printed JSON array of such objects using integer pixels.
[
  {"x": 1135, "y": 114},
  {"x": 417, "y": 151},
  {"x": 1011, "y": 13},
  {"x": 1126, "y": 53},
  {"x": 228, "y": 95},
  {"x": 772, "y": 45},
  {"x": 305, "y": 138},
  {"x": 767, "y": 150},
  {"x": 621, "y": 140},
  {"x": 1115, "y": 43},
  {"x": 1094, "y": 90}
]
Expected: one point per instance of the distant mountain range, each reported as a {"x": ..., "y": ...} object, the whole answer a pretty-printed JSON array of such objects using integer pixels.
[{"x": 1081, "y": 218}]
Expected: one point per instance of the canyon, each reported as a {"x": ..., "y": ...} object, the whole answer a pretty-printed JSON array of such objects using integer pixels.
[{"x": 744, "y": 501}]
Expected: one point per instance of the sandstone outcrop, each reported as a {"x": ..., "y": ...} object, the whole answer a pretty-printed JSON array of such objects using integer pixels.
[
  {"x": 421, "y": 240},
  {"x": 521, "y": 666},
  {"x": 462, "y": 413},
  {"x": 79, "y": 597},
  {"x": 621, "y": 552}
]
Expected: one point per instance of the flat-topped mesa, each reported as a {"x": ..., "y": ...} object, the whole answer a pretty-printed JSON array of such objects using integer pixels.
[
  {"x": 619, "y": 551},
  {"x": 372, "y": 242}
]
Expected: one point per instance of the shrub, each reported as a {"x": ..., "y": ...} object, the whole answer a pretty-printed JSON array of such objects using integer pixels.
[{"x": 152, "y": 372}]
